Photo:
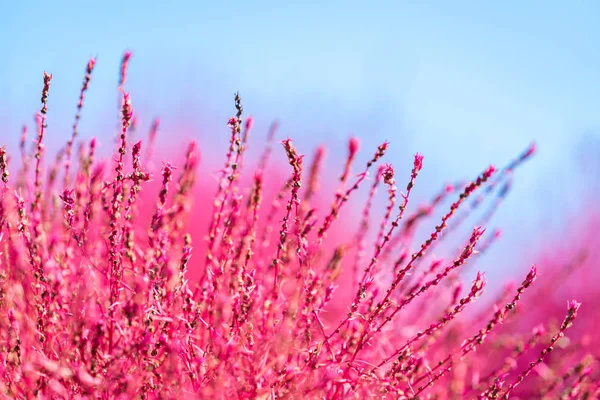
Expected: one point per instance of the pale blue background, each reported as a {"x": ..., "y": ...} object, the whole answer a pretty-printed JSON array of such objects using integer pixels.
[{"x": 465, "y": 83}]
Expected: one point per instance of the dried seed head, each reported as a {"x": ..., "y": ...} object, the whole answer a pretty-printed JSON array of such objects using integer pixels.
[{"x": 388, "y": 174}]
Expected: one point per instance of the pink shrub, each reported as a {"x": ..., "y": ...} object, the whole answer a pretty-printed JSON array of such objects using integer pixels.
[{"x": 261, "y": 291}]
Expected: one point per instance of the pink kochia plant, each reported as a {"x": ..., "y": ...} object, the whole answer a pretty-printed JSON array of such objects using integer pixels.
[{"x": 96, "y": 301}]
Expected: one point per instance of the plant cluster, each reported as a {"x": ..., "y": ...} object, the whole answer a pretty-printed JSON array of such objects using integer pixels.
[{"x": 96, "y": 299}]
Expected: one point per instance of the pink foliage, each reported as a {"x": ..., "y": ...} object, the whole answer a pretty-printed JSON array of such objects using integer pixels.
[{"x": 261, "y": 290}]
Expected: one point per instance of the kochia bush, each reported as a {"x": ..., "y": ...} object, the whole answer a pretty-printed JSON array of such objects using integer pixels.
[{"x": 96, "y": 302}]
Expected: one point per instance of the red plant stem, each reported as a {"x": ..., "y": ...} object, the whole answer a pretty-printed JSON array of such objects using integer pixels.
[
  {"x": 467, "y": 252},
  {"x": 412, "y": 221},
  {"x": 36, "y": 205},
  {"x": 115, "y": 265},
  {"x": 125, "y": 59},
  {"x": 480, "y": 337},
  {"x": 353, "y": 145},
  {"x": 266, "y": 155},
  {"x": 225, "y": 182},
  {"x": 509, "y": 362},
  {"x": 343, "y": 199},
  {"x": 388, "y": 178},
  {"x": 438, "y": 229},
  {"x": 185, "y": 186},
  {"x": 313, "y": 177},
  {"x": 22, "y": 180},
  {"x": 418, "y": 164},
  {"x": 573, "y": 307},
  {"x": 476, "y": 290},
  {"x": 137, "y": 177},
  {"x": 295, "y": 161},
  {"x": 151, "y": 140},
  {"x": 123, "y": 69},
  {"x": 503, "y": 177},
  {"x": 364, "y": 227},
  {"x": 558, "y": 380},
  {"x": 69, "y": 147}
]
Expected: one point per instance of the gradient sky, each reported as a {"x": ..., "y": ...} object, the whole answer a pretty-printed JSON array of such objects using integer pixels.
[{"x": 464, "y": 83}]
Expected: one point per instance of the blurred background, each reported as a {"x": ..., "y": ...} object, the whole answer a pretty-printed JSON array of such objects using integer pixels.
[{"x": 464, "y": 83}]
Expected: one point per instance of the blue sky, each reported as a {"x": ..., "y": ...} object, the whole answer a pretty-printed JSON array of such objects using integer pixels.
[{"x": 464, "y": 83}]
